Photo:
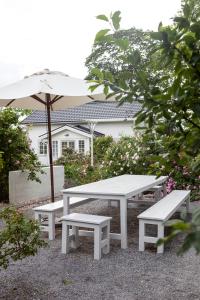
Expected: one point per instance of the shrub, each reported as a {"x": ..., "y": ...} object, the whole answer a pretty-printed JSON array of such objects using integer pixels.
[
  {"x": 101, "y": 145},
  {"x": 15, "y": 150},
  {"x": 147, "y": 154},
  {"x": 129, "y": 155},
  {"x": 77, "y": 168},
  {"x": 19, "y": 238}
]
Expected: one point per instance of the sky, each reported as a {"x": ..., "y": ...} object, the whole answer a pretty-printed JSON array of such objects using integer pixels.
[{"x": 58, "y": 34}]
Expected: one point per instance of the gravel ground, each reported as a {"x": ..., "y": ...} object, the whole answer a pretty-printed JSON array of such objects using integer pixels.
[{"x": 122, "y": 274}]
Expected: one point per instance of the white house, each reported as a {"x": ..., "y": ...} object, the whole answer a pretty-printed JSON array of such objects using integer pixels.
[{"x": 72, "y": 127}]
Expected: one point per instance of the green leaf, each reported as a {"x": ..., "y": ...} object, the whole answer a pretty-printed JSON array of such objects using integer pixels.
[
  {"x": 134, "y": 58},
  {"x": 101, "y": 34},
  {"x": 102, "y": 17},
  {"x": 122, "y": 43},
  {"x": 140, "y": 118},
  {"x": 186, "y": 10},
  {"x": 116, "y": 19},
  {"x": 106, "y": 90},
  {"x": 156, "y": 35},
  {"x": 97, "y": 73},
  {"x": 196, "y": 29},
  {"x": 93, "y": 87},
  {"x": 182, "y": 22}
]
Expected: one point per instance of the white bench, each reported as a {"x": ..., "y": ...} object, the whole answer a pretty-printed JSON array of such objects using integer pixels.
[
  {"x": 100, "y": 224},
  {"x": 50, "y": 211},
  {"x": 158, "y": 214},
  {"x": 153, "y": 194},
  {"x": 150, "y": 196}
]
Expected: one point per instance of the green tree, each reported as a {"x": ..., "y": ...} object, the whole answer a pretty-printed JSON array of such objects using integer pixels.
[
  {"x": 167, "y": 84},
  {"x": 15, "y": 150}
]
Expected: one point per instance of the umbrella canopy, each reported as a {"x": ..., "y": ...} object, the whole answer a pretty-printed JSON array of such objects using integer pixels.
[
  {"x": 67, "y": 92},
  {"x": 48, "y": 91}
]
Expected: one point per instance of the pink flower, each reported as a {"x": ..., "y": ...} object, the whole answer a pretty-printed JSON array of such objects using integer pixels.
[{"x": 171, "y": 184}]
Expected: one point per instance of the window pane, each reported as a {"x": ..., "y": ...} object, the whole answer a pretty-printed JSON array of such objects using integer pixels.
[
  {"x": 55, "y": 149},
  {"x": 68, "y": 144},
  {"x": 71, "y": 145},
  {"x": 43, "y": 148},
  {"x": 81, "y": 144},
  {"x": 64, "y": 147}
]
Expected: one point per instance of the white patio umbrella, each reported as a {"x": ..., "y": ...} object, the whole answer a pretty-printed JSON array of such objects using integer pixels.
[{"x": 48, "y": 91}]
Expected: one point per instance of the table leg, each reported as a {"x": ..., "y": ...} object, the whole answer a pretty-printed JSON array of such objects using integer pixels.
[
  {"x": 123, "y": 222},
  {"x": 66, "y": 209},
  {"x": 164, "y": 189}
]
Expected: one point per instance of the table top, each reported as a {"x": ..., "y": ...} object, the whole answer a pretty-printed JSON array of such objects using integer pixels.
[{"x": 124, "y": 185}]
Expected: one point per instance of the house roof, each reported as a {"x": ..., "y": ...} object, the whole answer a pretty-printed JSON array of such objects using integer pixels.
[
  {"x": 96, "y": 110},
  {"x": 79, "y": 128}
]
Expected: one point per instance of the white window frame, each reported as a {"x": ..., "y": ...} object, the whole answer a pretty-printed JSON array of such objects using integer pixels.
[
  {"x": 67, "y": 142},
  {"x": 55, "y": 149},
  {"x": 81, "y": 146},
  {"x": 44, "y": 148}
]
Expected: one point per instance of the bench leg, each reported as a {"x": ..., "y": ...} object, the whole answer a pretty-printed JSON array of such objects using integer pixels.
[
  {"x": 97, "y": 242},
  {"x": 188, "y": 204},
  {"x": 38, "y": 217},
  {"x": 160, "y": 249},
  {"x": 51, "y": 220},
  {"x": 65, "y": 238},
  {"x": 164, "y": 189},
  {"x": 75, "y": 239},
  {"x": 141, "y": 235},
  {"x": 106, "y": 235}
]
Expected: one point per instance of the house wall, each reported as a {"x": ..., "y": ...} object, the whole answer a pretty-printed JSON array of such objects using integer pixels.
[
  {"x": 35, "y": 131},
  {"x": 114, "y": 129}
]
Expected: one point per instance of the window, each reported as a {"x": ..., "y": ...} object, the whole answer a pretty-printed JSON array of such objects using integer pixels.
[
  {"x": 68, "y": 144},
  {"x": 81, "y": 145},
  {"x": 55, "y": 149},
  {"x": 43, "y": 148}
]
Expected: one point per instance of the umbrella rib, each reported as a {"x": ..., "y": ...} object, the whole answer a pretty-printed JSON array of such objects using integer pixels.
[
  {"x": 38, "y": 99},
  {"x": 10, "y": 102},
  {"x": 56, "y": 99},
  {"x": 91, "y": 97}
]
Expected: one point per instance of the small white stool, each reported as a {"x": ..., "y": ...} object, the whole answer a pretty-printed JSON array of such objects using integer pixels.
[{"x": 100, "y": 224}]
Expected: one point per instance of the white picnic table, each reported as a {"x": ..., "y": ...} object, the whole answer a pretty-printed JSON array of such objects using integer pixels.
[{"x": 116, "y": 188}]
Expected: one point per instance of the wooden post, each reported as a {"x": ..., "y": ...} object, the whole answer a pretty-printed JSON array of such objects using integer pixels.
[{"x": 48, "y": 103}]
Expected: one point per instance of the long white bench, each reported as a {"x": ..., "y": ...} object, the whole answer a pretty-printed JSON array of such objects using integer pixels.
[
  {"x": 158, "y": 214},
  {"x": 100, "y": 225},
  {"x": 147, "y": 197},
  {"x": 50, "y": 211}
]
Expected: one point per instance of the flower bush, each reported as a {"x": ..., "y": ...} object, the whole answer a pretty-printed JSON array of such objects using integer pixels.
[
  {"x": 146, "y": 154},
  {"x": 15, "y": 150},
  {"x": 129, "y": 155},
  {"x": 77, "y": 168},
  {"x": 101, "y": 145}
]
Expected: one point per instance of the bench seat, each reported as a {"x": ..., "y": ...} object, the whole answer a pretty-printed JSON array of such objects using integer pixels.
[
  {"x": 50, "y": 211},
  {"x": 158, "y": 214},
  {"x": 59, "y": 204}
]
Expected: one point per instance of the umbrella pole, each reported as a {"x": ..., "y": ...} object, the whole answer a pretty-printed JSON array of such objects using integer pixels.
[{"x": 48, "y": 99}]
